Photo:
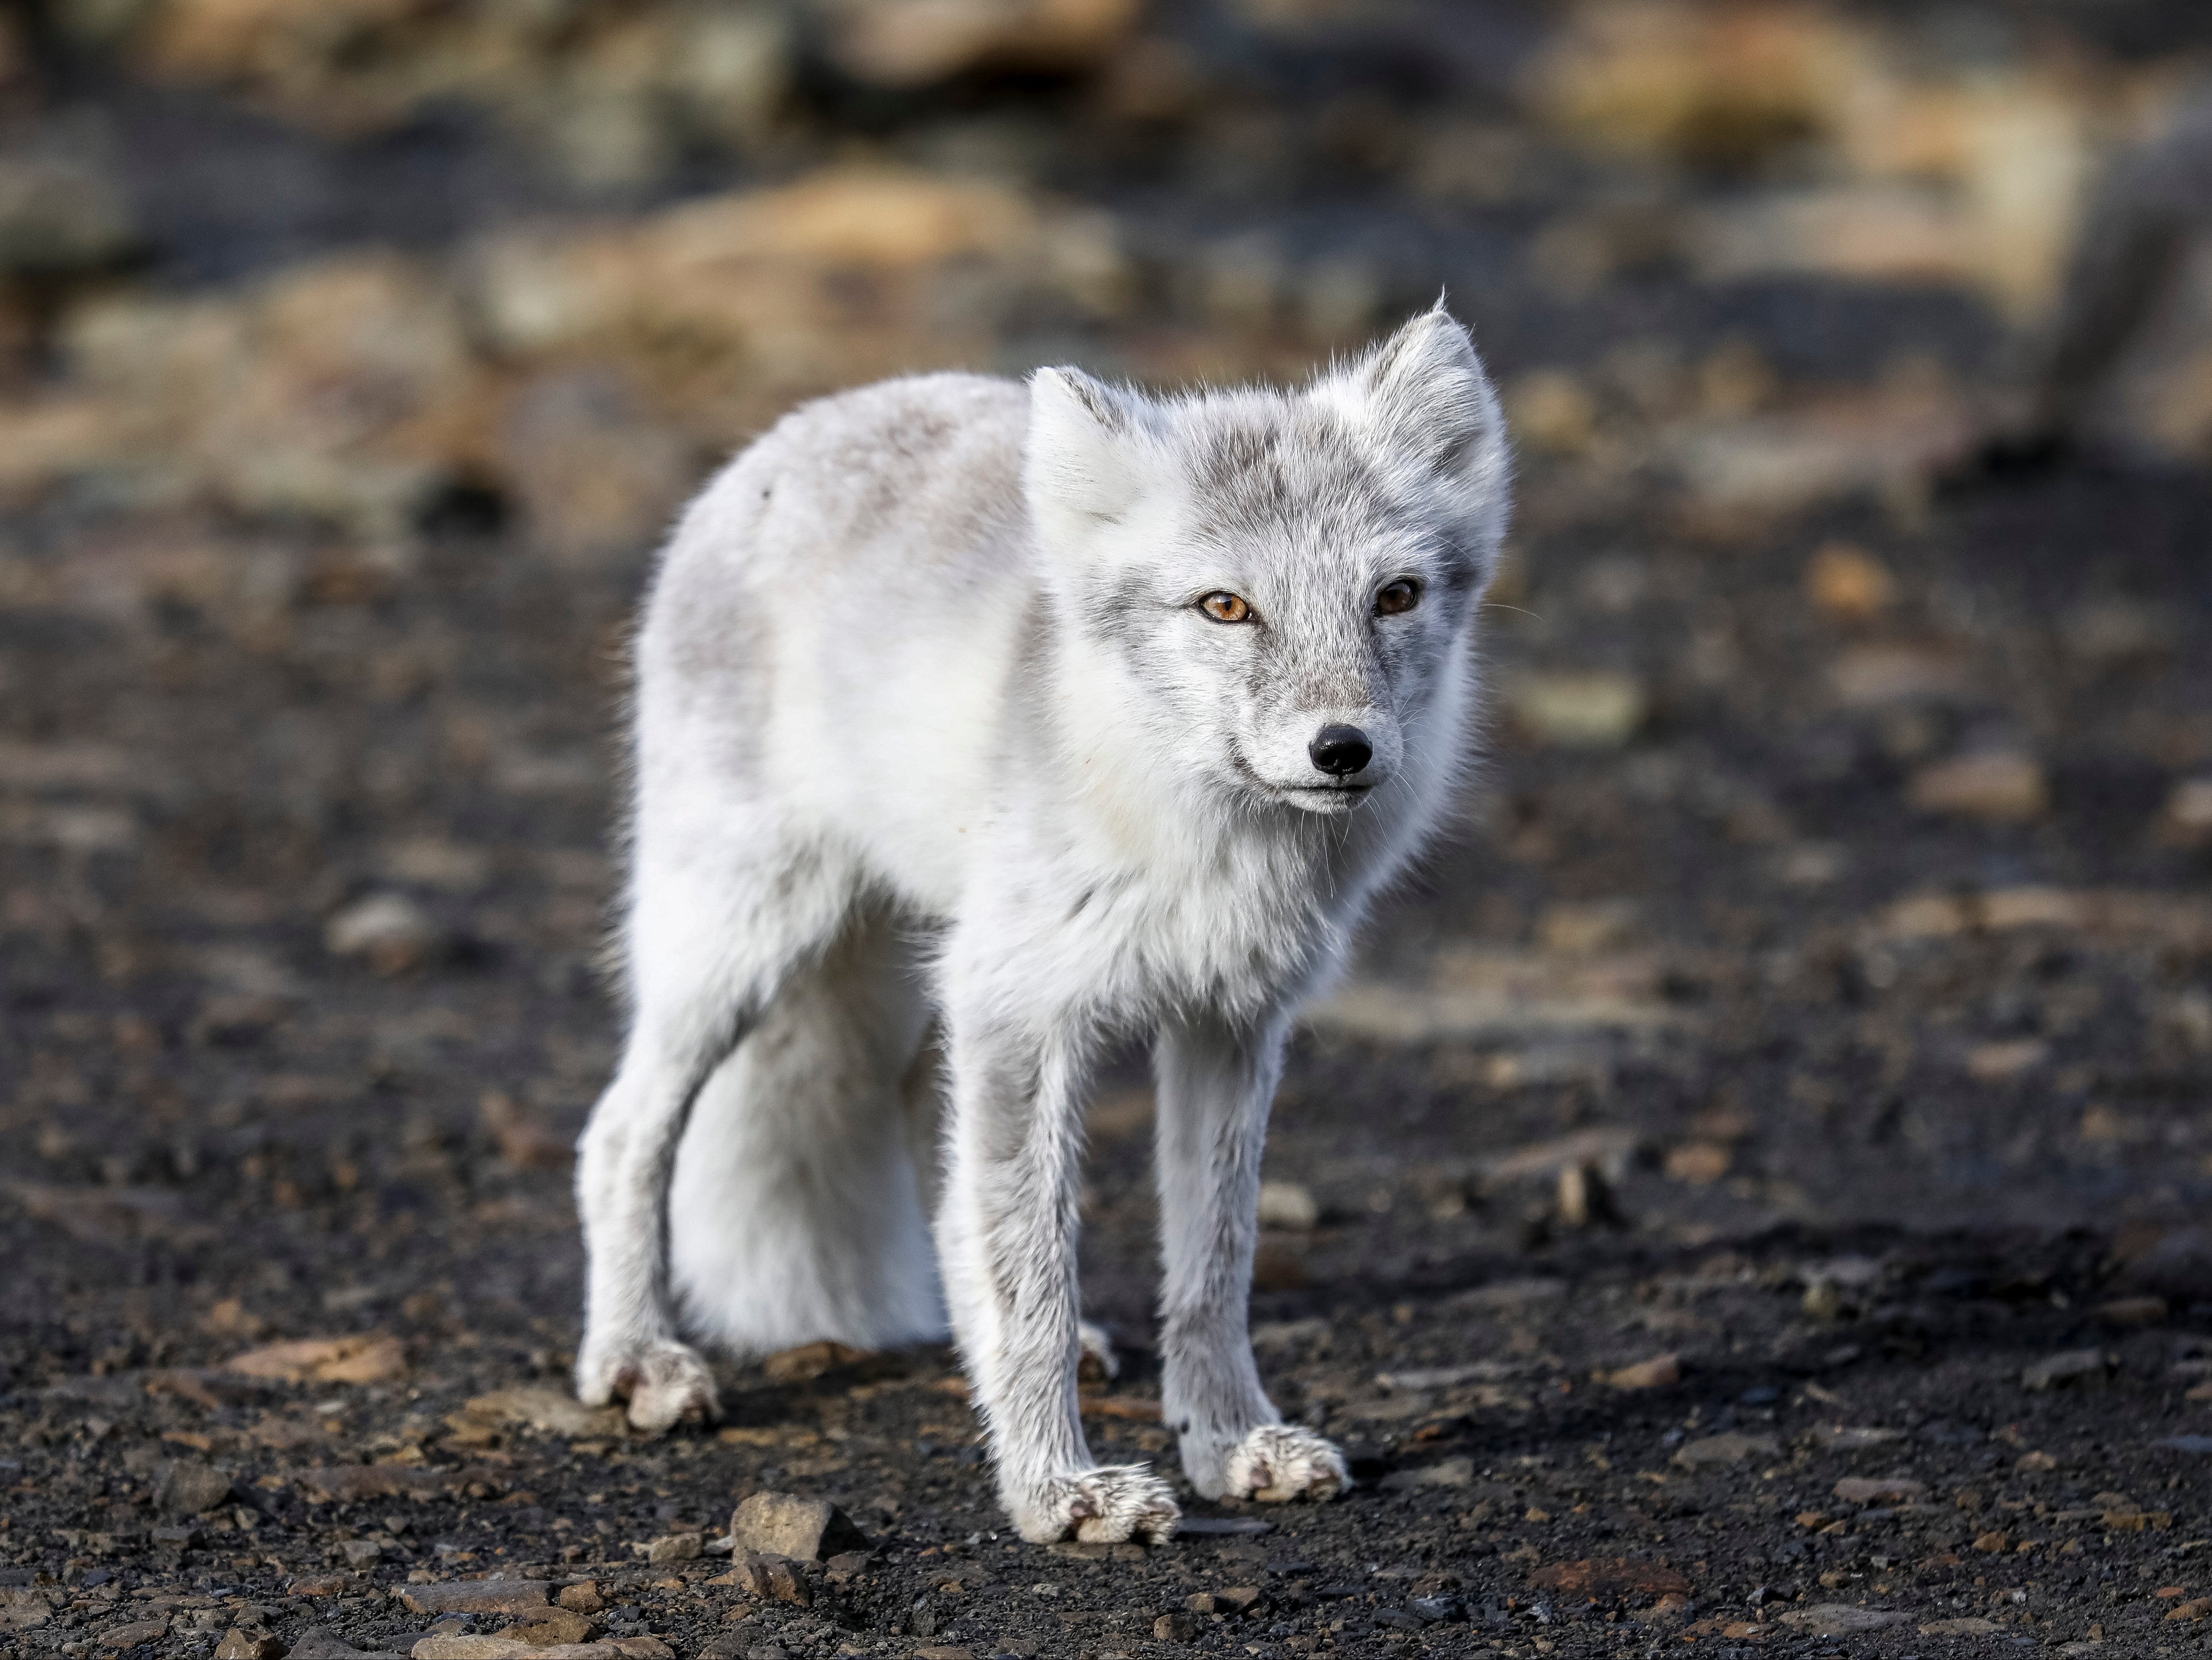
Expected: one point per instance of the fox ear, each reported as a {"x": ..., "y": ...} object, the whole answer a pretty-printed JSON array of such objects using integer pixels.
[
  {"x": 1083, "y": 458},
  {"x": 1425, "y": 389}
]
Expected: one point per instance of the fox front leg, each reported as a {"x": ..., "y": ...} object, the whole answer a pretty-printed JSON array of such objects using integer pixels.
[
  {"x": 1216, "y": 1086},
  {"x": 1006, "y": 1243}
]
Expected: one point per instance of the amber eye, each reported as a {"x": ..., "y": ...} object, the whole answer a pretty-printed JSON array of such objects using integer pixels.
[
  {"x": 1226, "y": 607},
  {"x": 1400, "y": 597}
]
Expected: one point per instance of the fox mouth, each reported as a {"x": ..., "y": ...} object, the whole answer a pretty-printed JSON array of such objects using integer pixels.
[{"x": 1325, "y": 798}]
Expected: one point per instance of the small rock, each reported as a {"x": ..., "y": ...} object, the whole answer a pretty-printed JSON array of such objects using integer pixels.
[
  {"x": 1174, "y": 1629},
  {"x": 477, "y": 1596},
  {"x": 2196, "y": 1608},
  {"x": 1998, "y": 787},
  {"x": 553, "y": 1411},
  {"x": 1657, "y": 1372},
  {"x": 1720, "y": 1451},
  {"x": 360, "y": 1553},
  {"x": 249, "y": 1643},
  {"x": 583, "y": 1598},
  {"x": 2074, "y": 1366},
  {"x": 1972, "y": 1625},
  {"x": 1437, "y": 1610},
  {"x": 1994, "y": 1542},
  {"x": 1879, "y": 1489},
  {"x": 1288, "y": 1205},
  {"x": 460, "y": 1647},
  {"x": 810, "y": 1361},
  {"x": 784, "y": 1525},
  {"x": 1579, "y": 711},
  {"x": 390, "y": 931},
  {"x": 321, "y": 1643},
  {"x": 176, "y": 1538},
  {"x": 321, "y": 1584},
  {"x": 132, "y": 1635},
  {"x": 1841, "y": 1620},
  {"x": 771, "y": 1577},
  {"x": 188, "y": 1489},
  {"x": 561, "y": 1626},
  {"x": 938, "y": 1653},
  {"x": 1845, "y": 1438},
  {"x": 2189, "y": 813},
  {"x": 369, "y": 1358},
  {"x": 1700, "y": 1164},
  {"x": 1880, "y": 676},
  {"x": 675, "y": 1547},
  {"x": 1849, "y": 583}
]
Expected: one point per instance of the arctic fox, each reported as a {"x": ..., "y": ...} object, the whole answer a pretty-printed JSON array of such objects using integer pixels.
[{"x": 1051, "y": 714}]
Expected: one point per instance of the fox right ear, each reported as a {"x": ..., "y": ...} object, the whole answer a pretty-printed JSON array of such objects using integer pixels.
[{"x": 1082, "y": 456}]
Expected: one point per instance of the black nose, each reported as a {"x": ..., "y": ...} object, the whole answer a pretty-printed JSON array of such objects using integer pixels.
[{"x": 1340, "y": 751}]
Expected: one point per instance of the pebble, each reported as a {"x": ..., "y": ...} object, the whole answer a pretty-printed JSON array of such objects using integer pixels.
[
  {"x": 1288, "y": 1205},
  {"x": 1174, "y": 1629},
  {"x": 1998, "y": 787},
  {"x": 554, "y": 1411},
  {"x": 477, "y": 1596},
  {"x": 367, "y": 1358},
  {"x": 1655, "y": 1373},
  {"x": 784, "y": 1525},
  {"x": 771, "y": 1577},
  {"x": 1842, "y": 1619},
  {"x": 1588, "y": 711},
  {"x": 390, "y": 931},
  {"x": 2188, "y": 811},
  {"x": 674, "y": 1548},
  {"x": 561, "y": 1626},
  {"x": 2074, "y": 1366},
  {"x": 248, "y": 1642},
  {"x": 1878, "y": 1489},
  {"x": 1849, "y": 584},
  {"x": 360, "y": 1553},
  {"x": 1720, "y": 1451},
  {"x": 190, "y": 1489}
]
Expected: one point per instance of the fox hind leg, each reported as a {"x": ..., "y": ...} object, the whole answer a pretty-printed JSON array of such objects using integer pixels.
[{"x": 711, "y": 935}]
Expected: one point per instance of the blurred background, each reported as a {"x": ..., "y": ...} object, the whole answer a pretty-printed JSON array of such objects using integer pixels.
[{"x": 1842, "y": 858}]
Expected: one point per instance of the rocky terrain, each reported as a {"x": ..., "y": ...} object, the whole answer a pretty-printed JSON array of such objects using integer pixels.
[{"x": 1750, "y": 1197}]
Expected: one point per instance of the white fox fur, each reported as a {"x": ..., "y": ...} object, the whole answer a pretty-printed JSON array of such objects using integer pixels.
[{"x": 1001, "y": 705}]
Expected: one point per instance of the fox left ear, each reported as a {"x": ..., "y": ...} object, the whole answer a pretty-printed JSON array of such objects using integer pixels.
[
  {"x": 1082, "y": 455},
  {"x": 1424, "y": 388}
]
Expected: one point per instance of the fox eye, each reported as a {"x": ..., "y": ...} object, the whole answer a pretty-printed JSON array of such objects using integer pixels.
[
  {"x": 1399, "y": 597},
  {"x": 1226, "y": 607}
]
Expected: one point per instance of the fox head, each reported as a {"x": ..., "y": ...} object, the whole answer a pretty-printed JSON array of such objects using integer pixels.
[{"x": 1283, "y": 585}]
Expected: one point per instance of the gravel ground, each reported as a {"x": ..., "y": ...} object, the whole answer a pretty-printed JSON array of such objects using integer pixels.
[{"x": 1751, "y": 1195}]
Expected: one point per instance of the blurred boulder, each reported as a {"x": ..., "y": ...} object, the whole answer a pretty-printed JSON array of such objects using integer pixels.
[
  {"x": 727, "y": 309},
  {"x": 343, "y": 390},
  {"x": 912, "y": 43},
  {"x": 59, "y": 217},
  {"x": 1895, "y": 437},
  {"x": 612, "y": 93}
]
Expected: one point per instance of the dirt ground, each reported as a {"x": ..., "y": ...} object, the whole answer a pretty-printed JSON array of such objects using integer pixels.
[{"x": 1750, "y": 1199}]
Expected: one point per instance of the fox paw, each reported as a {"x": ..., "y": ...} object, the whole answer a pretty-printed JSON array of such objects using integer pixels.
[
  {"x": 1097, "y": 1363},
  {"x": 665, "y": 1383},
  {"x": 1278, "y": 1462},
  {"x": 1100, "y": 1507}
]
